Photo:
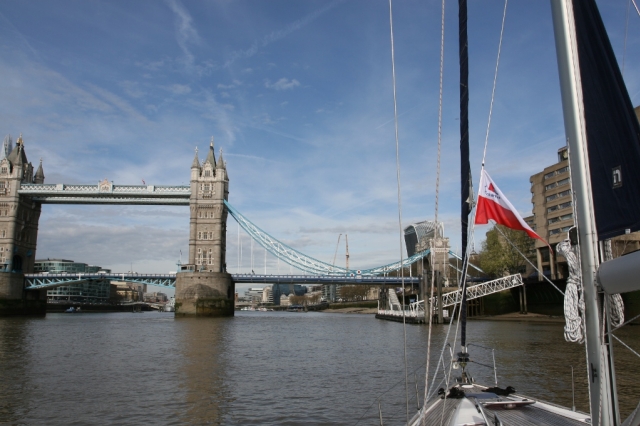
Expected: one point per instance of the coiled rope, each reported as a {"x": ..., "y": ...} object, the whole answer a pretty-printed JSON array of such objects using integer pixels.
[
  {"x": 573, "y": 299},
  {"x": 616, "y": 305}
]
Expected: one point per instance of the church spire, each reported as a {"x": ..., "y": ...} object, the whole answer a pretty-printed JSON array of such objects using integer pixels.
[
  {"x": 211, "y": 157},
  {"x": 196, "y": 162},
  {"x": 221, "y": 164},
  {"x": 39, "y": 177}
]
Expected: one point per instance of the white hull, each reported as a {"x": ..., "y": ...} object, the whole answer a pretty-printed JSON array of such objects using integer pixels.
[{"x": 514, "y": 409}]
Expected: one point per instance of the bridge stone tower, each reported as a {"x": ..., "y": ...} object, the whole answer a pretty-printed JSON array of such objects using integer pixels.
[
  {"x": 19, "y": 218},
  {"x": 203, "y": 287}
]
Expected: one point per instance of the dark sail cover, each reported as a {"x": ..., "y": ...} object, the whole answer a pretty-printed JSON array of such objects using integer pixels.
[
  {"x": 465, "y": 167},
  {"x": 613, "y": 132}
]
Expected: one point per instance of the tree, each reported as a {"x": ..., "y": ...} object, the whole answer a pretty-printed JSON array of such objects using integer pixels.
[
  {"x": 498, "y": 257},
  {"x": 297, "y": 300},
  {"x": 352, "y": 293}
]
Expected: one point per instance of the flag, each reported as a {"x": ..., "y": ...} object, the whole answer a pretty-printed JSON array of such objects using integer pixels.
[{"x": 492, "y": 204}]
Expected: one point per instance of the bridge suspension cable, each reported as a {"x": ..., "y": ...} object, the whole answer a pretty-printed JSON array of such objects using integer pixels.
[{"x": 306, "y": 263}]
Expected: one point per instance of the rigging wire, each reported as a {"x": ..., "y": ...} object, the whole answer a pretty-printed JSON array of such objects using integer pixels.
[
  {"x": 624, "y": 323},
  {"x": 527, "y": 259},
  {"x": 636, "y": 6},
  {"x": 395, "y": 117},
  {"x": 626, "y": 31},
  {"x": 625, "y": 345},
  {"x": 470, "y": 232},
  {"x": 383, "y": 393},
  {"x": 495, "y": 78}
]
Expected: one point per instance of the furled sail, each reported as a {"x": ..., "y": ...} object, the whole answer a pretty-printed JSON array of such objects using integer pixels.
[
  {"x": 465, "y": 166},
  {"x": 613, "y": 132}
]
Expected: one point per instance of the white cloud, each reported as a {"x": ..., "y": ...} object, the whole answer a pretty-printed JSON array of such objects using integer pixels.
[
  {"x": 132, "y": 89},
  {"x": 279, "y": 34},
  {"x": 152, "y": 65},
  {"x": 179, "y": 89},
  {"x": 186, "y": 33},
  {"x": 118, "y": 102},
  {"x": 282, "y": 84}
]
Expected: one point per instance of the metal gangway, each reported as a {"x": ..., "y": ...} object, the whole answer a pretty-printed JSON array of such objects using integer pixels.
[
  {"x": 416, "y": 309},
  {"x": 394, "y": 308},
  {"x": 480, "y": 290}
]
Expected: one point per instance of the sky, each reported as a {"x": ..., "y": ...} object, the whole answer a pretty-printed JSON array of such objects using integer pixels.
[{"x": 299, "y": 95}]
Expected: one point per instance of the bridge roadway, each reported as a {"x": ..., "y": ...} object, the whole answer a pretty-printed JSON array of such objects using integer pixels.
[
  {"x": 107, "y": 193},
  {"x": 45, "y": 281}
]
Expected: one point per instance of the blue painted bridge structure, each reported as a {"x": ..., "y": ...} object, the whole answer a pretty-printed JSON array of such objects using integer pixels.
[
  {"x": 47, "y": 281},
  {"x": 106, "y": 193}
]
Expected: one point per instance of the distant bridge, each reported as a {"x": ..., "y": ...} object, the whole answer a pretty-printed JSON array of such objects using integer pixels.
[
  {"x": 47, "y": 281},
  {"x": 107, "y": 193}
]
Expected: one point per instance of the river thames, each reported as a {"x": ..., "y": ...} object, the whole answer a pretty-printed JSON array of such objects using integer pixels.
[{"x": 263, "y": 368}]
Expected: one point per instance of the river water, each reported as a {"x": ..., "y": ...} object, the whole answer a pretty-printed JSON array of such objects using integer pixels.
[{"x": 264, "y": 368}]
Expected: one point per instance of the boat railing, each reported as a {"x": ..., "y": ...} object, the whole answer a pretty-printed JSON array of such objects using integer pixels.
[{"x": 399, "y": 313}]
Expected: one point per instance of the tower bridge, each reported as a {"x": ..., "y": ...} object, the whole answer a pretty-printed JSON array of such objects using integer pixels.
[
  {"x": 106, "y": 192},
  {"x": 48, "y": 281},
  {"x": 203, "y": 285}
]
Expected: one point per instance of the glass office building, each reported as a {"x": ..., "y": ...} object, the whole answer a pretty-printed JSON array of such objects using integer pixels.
[
  {"x": 88, "y": 291},
  {"x": 278, "y": 290}
]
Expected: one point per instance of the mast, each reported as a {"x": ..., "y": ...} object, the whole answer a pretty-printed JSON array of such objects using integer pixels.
[
  {"x": 601, "y": 393},
  {"x": 465, "y": 166}
]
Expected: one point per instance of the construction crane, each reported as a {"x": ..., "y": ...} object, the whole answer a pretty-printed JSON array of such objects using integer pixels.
[
  {"x": 335, "y": 253},
  {"x": 346, "y": 238}
]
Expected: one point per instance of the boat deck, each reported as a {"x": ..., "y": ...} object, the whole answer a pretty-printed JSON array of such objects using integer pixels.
[{"x": 540, "y": 413}]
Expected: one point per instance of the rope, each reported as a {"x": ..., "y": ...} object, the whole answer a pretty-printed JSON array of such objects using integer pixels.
[
  {"x": 430, "y": 312},
  {"x": 395, "y": 117},
  {"x": 440, "y": 113},
  {"x": 573, "y": 301},
  {"x": 465, "y": 265},
  {"x": 582, "y": 130},
  {"x": 426, "y": 376},
  {"x": 616, "y": 305},
  {"x": 603, "y": 357}
]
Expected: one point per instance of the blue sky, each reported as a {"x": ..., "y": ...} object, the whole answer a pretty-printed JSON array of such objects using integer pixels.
[{"x": 299, "y": 96}]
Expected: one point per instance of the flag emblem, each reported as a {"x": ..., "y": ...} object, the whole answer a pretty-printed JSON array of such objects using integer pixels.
[{"x": 493, "y": 205}]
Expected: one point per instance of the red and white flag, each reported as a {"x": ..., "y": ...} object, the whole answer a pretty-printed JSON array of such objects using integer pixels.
[{"x": 492, "y": 204}]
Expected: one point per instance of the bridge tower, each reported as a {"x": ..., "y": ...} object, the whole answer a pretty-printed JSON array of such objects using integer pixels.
[
  {"x": 19, "y": 218},
  {"x": 203, "y": 286}
]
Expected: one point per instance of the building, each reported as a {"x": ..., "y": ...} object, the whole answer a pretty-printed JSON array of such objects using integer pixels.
[
  {"x": 208, "y": 225},
  {"x": 92, "y": 291},
  {"x": 284, "y": 300},
  {"x": 254, "y": 294},
  {"x": 18, "y": 215},
  {"x": 154, "y": 297},
  {"x": 267, "y": 295},
  {"x": 280, "y": 290},
  {"x": 553, "y": 217}
]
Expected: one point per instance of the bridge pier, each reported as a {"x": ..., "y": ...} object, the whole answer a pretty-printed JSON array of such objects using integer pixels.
[
  {"x": 204, "y": 294},
  {"x": 14, "y": 300}
]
